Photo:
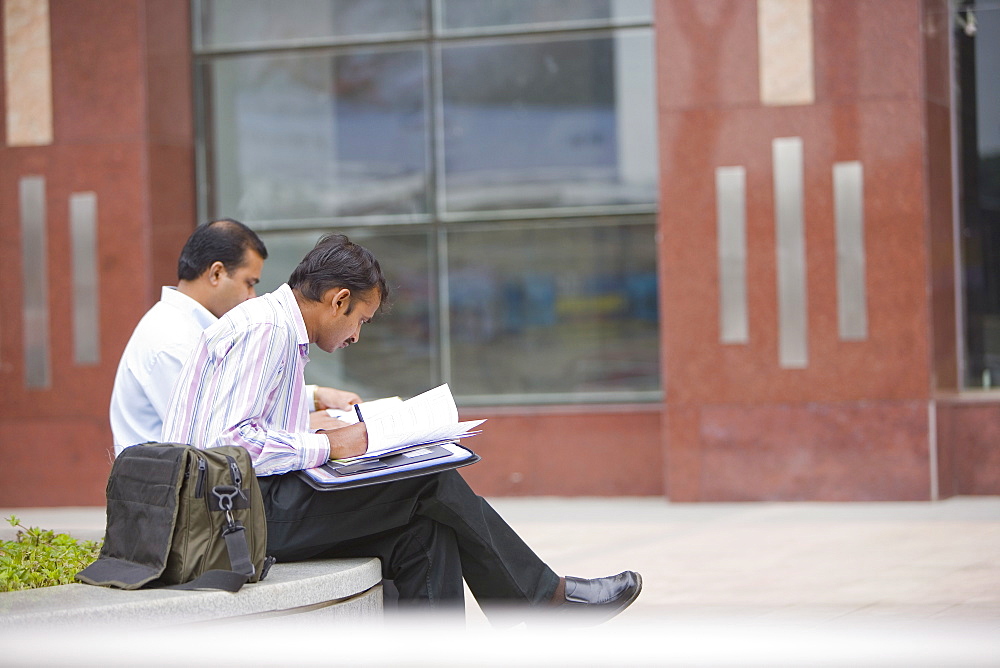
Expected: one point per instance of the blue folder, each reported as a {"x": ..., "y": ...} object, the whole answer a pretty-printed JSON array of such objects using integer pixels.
[{"x": 420, "y": 460}]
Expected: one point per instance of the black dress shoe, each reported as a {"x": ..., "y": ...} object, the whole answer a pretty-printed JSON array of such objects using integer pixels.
[{"x": 601, "y": 598}]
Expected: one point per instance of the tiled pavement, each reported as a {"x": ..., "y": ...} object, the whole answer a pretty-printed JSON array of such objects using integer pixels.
[{"x": 762, "y": 584}]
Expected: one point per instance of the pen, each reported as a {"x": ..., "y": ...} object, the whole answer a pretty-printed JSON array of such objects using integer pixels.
[{"x": 357, "y": 409}]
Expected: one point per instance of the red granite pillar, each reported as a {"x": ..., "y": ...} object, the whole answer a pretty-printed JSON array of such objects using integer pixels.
[
  {"x": 122, "y": 134},
  {"x": 851, "y": 422}
]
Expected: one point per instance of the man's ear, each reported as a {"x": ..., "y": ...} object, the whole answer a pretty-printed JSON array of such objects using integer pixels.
[
  {"x": 337, "y": 298},
  {"x": 215, "y": 272}
]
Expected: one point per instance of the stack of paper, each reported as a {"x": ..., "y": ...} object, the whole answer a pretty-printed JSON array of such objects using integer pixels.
[
  {"x": 371, "y": 409},
  {"x": 395, "y": 426}
]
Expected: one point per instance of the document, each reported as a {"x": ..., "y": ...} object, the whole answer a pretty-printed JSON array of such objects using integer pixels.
[
  {"x": 427, "y": 418},
  {"x": 371, "y": 409}
]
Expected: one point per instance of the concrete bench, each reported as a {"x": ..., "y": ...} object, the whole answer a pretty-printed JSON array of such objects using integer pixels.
[{"x": 341, "y": 589}]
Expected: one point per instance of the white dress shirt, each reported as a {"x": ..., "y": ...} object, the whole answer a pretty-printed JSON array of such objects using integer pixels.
[
  {"x": 152, "y": 360},
  {"x": 243, "y": 385}
]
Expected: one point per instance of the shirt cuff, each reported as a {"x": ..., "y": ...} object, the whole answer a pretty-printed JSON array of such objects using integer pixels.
[
  {"x": 315, "y": 450},
  {"x": 311, "y": 396}
]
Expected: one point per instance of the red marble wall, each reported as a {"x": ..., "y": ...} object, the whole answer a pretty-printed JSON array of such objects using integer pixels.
[
  {"x": 123, "y": 130},
  {"x": 860, "y": 422},
  {"x": 854, "y": 423},
  {"x": 571, "y": 451},
  {"x": 968, "y": 433}
]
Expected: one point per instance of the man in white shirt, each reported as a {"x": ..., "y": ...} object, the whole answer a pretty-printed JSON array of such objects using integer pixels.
[{"x": 218, "y": 269}]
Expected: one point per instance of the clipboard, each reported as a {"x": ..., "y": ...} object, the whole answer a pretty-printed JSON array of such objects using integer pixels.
[{"x": 423, "y": 460}]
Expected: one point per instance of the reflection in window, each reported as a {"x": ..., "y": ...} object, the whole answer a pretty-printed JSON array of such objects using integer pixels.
[
  {"x": 307, "y": 136},
  {"x": 564, "y": 309},
  {"x": 394, "y": 356},
  {"x": 241, "y": 23},
  {"x": 464, "y": 14},
  {"x": 553, "y": 123}
]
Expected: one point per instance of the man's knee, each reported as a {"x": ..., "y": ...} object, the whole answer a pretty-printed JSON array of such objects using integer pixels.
[{"x": 450, "y": 490}]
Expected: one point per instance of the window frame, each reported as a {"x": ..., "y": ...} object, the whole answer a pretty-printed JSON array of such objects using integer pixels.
[{"x": 437, "y": 221}]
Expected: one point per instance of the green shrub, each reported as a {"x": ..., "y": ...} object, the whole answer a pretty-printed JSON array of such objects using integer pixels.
[{"x": 38, "y": 558}]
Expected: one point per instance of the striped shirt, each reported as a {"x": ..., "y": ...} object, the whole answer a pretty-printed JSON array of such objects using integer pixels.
[{"x": 244, "y": 385}]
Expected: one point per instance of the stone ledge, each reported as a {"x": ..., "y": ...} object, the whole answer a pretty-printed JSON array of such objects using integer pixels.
[{"x": 341, "y": 587}]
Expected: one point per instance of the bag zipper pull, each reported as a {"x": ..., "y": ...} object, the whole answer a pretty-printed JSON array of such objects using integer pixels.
[
  {"x": 202, "y": 470},
  {"x": 234, "y": 470}
]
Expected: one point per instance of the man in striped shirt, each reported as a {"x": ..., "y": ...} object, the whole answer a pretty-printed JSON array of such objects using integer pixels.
[{"x": 243, "y": 385}]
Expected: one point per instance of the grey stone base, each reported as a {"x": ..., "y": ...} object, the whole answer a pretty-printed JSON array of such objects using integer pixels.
[{"x": 328, "y": 589}]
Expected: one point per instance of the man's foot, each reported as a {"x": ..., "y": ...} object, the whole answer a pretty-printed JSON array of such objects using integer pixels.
[{"x": 601, "y": 598}]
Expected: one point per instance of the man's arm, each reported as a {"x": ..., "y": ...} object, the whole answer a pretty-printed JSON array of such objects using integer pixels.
[
  {"x": 329, "y": 397},
  {"x": 350, "y": 441},
  {"x": 226, "y": 395},
  {"x": 322, "y": 398}
]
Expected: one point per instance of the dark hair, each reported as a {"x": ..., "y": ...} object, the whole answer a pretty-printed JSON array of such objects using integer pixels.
[
  {"x": 336, "y": 262},
  {"x": 224, "y": 240}
]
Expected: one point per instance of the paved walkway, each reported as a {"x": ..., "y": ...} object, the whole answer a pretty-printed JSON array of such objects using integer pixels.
[{"x": 770, "y": 584}]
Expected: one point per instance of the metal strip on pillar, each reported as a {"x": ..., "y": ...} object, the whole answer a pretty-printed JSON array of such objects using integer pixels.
[
  {"x": 730, "y": 202},
  {"x": 793, "y": 348},
  {"x": 35, "y": 283},
  {"x": 848, "y": 205},
  {"x": 83, "y": 235}
]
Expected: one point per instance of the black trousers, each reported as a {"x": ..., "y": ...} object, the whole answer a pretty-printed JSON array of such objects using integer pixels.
[{"x": 430, "y": 532}]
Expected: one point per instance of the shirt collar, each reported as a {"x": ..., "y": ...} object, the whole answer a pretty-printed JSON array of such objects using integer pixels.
[
  {"x": 180, "y": 301},
  {"x": 286, "y": 298}
]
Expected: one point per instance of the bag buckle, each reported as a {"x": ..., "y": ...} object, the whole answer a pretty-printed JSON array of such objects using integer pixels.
[{"x": 226, "y": 495}]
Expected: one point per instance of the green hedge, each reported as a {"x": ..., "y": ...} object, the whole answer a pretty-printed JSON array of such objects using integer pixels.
[{"x": 38, "y": 558}]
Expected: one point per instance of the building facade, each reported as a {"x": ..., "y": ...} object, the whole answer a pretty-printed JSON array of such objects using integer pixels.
[{"x": 725, "y": 250}]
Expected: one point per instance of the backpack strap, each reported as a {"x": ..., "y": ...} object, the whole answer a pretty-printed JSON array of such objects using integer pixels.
[
  {"x": 233, "y": 532},
  {"x": 224, "y": 580},
  {"x": 239, "y": 552},
  {"x": 235, "y": 536}
]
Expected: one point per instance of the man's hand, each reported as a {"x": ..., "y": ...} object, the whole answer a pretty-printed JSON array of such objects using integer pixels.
[
  {"x": 322, "y": 420},
  {"x": 350, "y": 441},
  {"x": 328, "y": 397}
]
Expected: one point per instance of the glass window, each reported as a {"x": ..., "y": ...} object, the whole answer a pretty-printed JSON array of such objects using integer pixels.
[
  {"x": 465, "y": 14},
  {"x": 300, "y": 136},
  {"x": 533, "y": 123},
  {"x": 396, "y": 357},
  {"x": 222, "y": 24},
  {"x": 979, "y": 90},
  {"x": 557, "y": 309},
  {"x": 502, "y": 167}
]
